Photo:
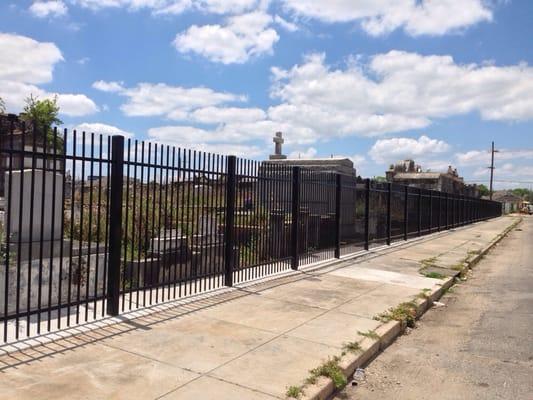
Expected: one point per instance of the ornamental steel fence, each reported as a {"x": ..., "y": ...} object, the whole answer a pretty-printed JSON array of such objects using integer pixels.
[{"x": 94, "y": 225}]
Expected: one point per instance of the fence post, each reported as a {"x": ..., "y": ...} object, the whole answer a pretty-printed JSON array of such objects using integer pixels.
[
  {"x": 367, "y": 214},
  {"x": 295, "y": 231},
  {"x": 338, "y": 216},
  {"x": 115, "y": 225},
  {"x": 419, "y": 209},
  {"x": 229, "y": 228},
  {"x": 406, "y": 214},
  {"x": 389, "y": 217}
]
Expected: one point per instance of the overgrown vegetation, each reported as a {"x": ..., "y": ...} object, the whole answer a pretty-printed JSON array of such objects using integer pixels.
[
  {"x": 351, "y": 347},
  {"x": 329, "y": 369},
  {"x": 294, "y": 392},
  {"x": 404, "y": 313},
  {"x": 424, "y": 294},
  {"x": 369, "y": 334},
  {"x": 43, "y": 114},
  {"x": 434, "y": 275}
]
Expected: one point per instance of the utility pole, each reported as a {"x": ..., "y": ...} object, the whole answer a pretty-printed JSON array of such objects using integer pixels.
[{"x": 492, "y": 169}]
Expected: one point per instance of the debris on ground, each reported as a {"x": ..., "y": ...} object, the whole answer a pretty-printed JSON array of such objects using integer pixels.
[
  {"x": 358, "y": 376},
  {"x": 439, "y": 304}
]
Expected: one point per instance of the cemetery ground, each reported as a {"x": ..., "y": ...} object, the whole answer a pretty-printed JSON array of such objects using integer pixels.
[
  {"x": 478, "y": 346},
  {"x": 261, "y": 340}
]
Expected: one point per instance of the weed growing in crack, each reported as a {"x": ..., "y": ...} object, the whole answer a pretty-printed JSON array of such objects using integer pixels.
[
  {"x": 434, "y": 275},
  {"x": 329, "y": 369},
  {"x": 294, "y": 392},
  {"x": 404, "y": 312},
  {"x": 369, "y": 334},
  {"x": 351, "y": 347}
]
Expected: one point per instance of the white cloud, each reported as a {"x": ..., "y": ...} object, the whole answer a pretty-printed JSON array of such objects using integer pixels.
[
  {"x": 52, "y": 8},
  {"x": 74, "y": 105},
  {"x": 147, "y": 99},
  {"x": 394, "y": 92},
  {"x": 83, "y": 60},
  {"x": 483, "y": 157},
  {"x": 108, "y": 86},
  {"x": 387, "y": 151},
  {"x": 23, "y": 59},
  {"x": 287, "y": 25},
  {"x": 99, "y": 128},
  {"x": 225, "y": 115},
  {"x": 203, "y": 140},
  {"x": 239, "y": 39},
  {"x": 173, "y": 6},
  {"x": 358, "y": 160},
  {"x": 310, "y": 152},
  {"x": 416, "y": 17},
  {"x": 25, "y": 63}
]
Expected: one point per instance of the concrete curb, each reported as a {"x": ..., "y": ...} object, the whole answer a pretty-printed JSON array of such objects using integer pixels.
[{"x": 324, "y": 387}]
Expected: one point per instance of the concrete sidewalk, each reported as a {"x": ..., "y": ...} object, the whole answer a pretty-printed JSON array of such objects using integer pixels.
[{"x": 251, "y": 342}]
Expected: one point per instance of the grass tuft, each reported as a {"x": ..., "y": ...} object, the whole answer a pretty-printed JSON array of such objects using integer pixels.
[
  {"x": 351, "y": 347},
  {"x": 434, "y": 275},
  {"x": 370, "y": 334},
  {"x": 329, "y": 369},
  {"x": 404, "y": 312},
  {"x": 294, "y": 392}
]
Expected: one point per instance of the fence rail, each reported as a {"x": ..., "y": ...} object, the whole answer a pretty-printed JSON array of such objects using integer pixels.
[{"x": 95, "y": 225}]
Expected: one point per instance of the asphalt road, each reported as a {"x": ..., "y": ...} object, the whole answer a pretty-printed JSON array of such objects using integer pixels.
[{"x": 478, "y": 346}]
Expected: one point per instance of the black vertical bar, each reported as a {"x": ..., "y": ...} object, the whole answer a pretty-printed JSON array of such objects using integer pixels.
[
  {"x": 8, "y": 226},
  {"x": 71, "y": 227},
  {"x": 52, "y": 231},
  {"x": 367, "y": 214},
  {"x": 107, "y": 217},
  {"x": 419, "y": 211},
  {"x": 230, "y": 220},
  {"x": 127, "y": 229},
  {"x": 389, "y": 216},
  {"x": 406, "y": 214},
  {"x": 31, "y": 238},
  {"x": 295, "y": 231},
  {"x": 338, "y": 216},
  {"x": 440, "y": 211},
  {"x": 446, "y": 207},
  {"x": 98, "y": 225},
  {"x": 115, "y": 225},
  {"x": 89, "y": 234},
  {"x": 80, "y": 241},
  {"x": 22, "y": 160},
  {"x": 430, "y": 211}
]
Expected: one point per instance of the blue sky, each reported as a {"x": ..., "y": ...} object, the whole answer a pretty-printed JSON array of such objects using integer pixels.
[{"x": 377, "y": 81}]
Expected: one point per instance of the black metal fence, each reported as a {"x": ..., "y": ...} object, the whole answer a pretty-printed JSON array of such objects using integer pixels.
[{"x": 95, "y": 226}]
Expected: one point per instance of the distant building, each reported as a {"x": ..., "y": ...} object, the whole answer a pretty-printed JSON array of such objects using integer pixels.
[
  {"x": 339, "y": 165},
  {"x": 410, "y": 174},
  {"x": 510, "y": 201}
]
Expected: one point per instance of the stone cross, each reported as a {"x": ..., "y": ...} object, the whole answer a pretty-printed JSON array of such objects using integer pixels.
[{"x": 278, "y": 141}]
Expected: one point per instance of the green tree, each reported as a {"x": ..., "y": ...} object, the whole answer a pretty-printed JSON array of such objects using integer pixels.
[
  {"x": 380, "y": 179},
  {"x": 483, "y": 190},
  {"x": 523, "y": 193},
  {"x": 43, "y": 114}
]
